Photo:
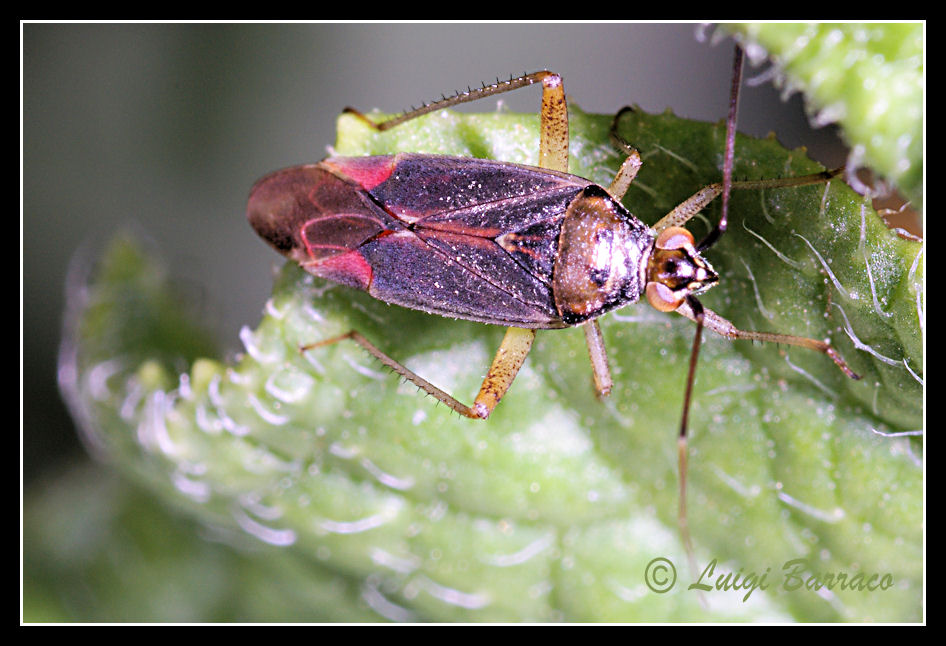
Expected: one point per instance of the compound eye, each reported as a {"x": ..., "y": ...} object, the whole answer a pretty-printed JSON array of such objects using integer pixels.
[
  {"x": 662, "y": 298},
  {"x": 674, "y": 238}
]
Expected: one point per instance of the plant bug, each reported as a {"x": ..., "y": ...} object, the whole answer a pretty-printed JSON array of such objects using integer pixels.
[{"x": 524, "y": 247}]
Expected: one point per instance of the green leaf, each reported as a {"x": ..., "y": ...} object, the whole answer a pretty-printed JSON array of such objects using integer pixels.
[
  {"x": 100, "y": 550},
  {"x": 554, "y": 507},
  {"x": 867, "y": 77}
]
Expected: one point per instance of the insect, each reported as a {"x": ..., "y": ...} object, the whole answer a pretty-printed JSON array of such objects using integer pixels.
[{"x": 525, "y": 247}]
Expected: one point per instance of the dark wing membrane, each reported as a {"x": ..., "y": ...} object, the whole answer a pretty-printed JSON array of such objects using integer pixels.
[
  {"x": 498, "y": 221},
  {"x": 433, "y": 187},
  {"x": 492, "y": 265},
  {"x": 408, "y": 271},
  {"x": 534, "y": 247}
]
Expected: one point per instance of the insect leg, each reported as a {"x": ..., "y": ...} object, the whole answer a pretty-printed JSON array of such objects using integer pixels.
[
  {"x": 553, "y": 146},
  {"x": 475, "y": 94},
  {"x": 699, "y": 200},
  {"x": 599, "y": 357},
  {"x": 509, "y": 358},
  {"x": 723, "y": 327},
  {"x": 630, "y": 166}
]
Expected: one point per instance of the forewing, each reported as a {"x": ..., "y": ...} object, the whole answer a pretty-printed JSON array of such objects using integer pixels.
[
  {"x": 410, "y": 272},
  {"x": 468, "y": 238},
  {"x": 498, "y": 221}
]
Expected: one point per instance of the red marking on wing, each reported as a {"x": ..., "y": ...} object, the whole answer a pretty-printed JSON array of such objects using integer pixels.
[
  {"x": 367, "y": 171},
  {"x": 349, "y": 269}
]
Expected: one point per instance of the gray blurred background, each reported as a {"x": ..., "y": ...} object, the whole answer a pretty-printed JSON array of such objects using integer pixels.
[{"x": 164, "y": 129}]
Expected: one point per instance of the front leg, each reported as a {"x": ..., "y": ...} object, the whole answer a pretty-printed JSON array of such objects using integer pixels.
[{"x": 723, "y": 327}]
